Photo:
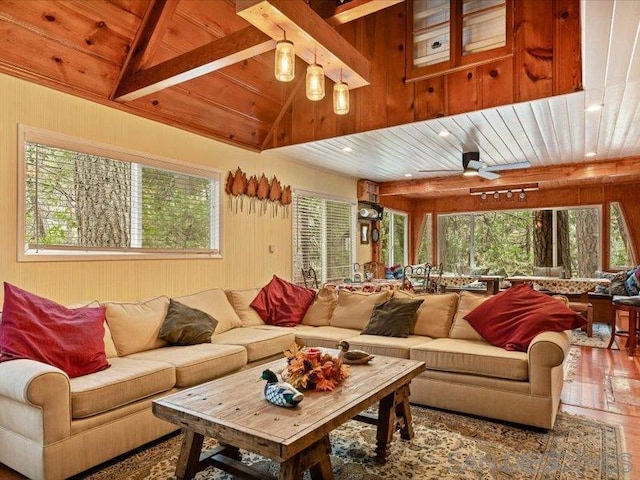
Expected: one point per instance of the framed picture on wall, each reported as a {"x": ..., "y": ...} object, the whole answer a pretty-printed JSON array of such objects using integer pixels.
[{"x": 364, "y": 233}]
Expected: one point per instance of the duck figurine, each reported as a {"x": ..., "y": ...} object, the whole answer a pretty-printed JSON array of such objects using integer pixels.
[
  {"x": 281, "y": 394},
  {"x": 353, "y": 357}
]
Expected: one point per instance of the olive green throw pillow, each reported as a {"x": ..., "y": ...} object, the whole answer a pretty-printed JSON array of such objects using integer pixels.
[
  {"x": 393, "y": 318},
  {"x": 186, "y": 326}
]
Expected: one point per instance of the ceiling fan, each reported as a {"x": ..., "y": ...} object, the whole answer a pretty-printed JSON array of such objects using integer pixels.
[{"x": 472, "y": 166}]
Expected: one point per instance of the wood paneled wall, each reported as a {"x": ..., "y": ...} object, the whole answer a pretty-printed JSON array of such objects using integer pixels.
[
  {"x": 627, "y": 194},
  {"x": 545, "y": 61}
]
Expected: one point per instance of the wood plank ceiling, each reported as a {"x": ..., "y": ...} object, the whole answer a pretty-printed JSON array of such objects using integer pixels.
[{"x": 134, "y": 55}]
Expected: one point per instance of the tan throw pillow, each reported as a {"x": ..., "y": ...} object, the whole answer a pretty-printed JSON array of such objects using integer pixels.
[
  {"x": 241, "y": 303},
  {"x": 319, "y": 313},
  {"x": 462, "y": 329},
  {"x": 435, "y": 315},
  {"x": 215, "y": 303},
  {"x": 354, "y": 309},
  {"x": 135, "y": 326}
]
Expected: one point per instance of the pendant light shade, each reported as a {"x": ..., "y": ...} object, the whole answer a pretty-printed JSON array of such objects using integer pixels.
[
  {"x": 340, "y": 98},
  {"x": 315, "y": 82},
  {"x": 285, "y": 61}
]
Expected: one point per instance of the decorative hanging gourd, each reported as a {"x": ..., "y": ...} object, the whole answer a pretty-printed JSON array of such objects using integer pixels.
[{"x": 257, "y": 189}]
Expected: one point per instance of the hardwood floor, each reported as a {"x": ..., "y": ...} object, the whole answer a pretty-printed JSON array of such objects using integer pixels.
[{"x": 606, "y": 387}]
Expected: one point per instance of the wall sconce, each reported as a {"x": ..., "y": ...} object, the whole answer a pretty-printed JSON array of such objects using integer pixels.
[
  {"x": 340, "y": 97},
  {"x": 285, "y": 64},
  {"x": 496, "y": 196},
  {"x": 315, "y": 82},
  {"x": 522, "y": 196}
]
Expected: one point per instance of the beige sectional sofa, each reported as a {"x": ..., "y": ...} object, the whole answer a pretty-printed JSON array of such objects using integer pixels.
[{"x": 52, "y": 427}]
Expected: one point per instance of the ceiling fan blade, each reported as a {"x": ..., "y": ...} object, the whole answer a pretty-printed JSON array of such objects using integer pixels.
[
  {"x": 507, "y": 166},
  {"x": 475, "y": 164},
  {"x": 488, "y": 175}
]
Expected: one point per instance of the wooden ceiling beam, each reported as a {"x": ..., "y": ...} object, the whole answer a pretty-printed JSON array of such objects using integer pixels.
[
  {"x": 314, "y": 39},
  {"x": 355, "y": 9},
  {"x": 233, "y": 48},
  {"x": 574, "y": 173},
  {"x": 146, "y": 41}
]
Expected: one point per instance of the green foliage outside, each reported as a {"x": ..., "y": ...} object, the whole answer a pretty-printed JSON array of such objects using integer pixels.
[
  {"x": 175, "y": 208},
  {"x": 620, "y": 255},
  {"x": 397, "y": 255}
]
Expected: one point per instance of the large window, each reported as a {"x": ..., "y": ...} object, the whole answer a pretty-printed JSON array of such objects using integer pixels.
[
  {"x": 393, "y": 238},
  {"x": 620, "y": 254},
  {"x": 323, "y": 237},
  {"x": 81, "y": 199},
  {"x": 513, "y": 242}
]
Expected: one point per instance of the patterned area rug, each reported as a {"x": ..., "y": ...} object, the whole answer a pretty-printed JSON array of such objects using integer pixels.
[
  {"x": 571, "y": 363},
  {"x": 600, "y": 339},
  {"x": 446, "y": 445},
  {"x": 622, "y": 390}
]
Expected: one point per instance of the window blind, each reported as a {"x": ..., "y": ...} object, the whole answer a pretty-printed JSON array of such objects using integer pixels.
[
  {"x": 323, "y": 237},
  {"x": 84, "y": 202}
]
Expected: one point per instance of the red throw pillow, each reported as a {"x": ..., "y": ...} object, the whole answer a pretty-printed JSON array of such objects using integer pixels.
[
  {"x": 511, "y": 319},
  {"x": 39, "y": 329},
  {"x": 282, "y": 303}
]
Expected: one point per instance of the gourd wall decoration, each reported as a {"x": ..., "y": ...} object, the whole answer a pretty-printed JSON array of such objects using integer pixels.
[{"x": 258, "y": 190}]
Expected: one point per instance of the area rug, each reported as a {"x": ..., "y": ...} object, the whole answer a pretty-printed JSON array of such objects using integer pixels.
[
  {"x": 600, "y": 339},
  {"x": 446, "y": 445},
  {"x": 622, "y": 390},
  {"x": 571, "y": 363}
]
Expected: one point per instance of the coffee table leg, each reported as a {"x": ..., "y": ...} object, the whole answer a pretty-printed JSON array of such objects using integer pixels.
[
  {"x": 403, "y": 413},
  {"x": 189, "y": 458},
  {"x": 386, "y": 424},
  {"x": 315, "y": 458}
]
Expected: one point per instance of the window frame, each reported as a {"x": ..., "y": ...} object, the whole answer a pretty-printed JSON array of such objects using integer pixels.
[
  {"x": 63, "y": 141},
  {"x": 389, "y": 260},
  {"x": 457, "y": 60},
  {"x": 354, "y": 232}
]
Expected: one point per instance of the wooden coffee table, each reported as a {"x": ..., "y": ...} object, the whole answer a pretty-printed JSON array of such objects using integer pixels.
[{"x": 233, "y": 410}]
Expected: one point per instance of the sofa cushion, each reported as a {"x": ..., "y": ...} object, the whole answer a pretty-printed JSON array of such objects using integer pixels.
[
  {"x": 184, "y": 325},
  {"x": 215, "y": 303},
  {"x": 325, "y": 337},
  {"x": 126, "y": 381},
  {"x": 135, "y": 326},
  {"x": 460, "y": 328},
  {"x": 282, "y": 303},
  {"x": 473, "y": 357},
  {"x": 260, "y": 343},
  {"x": 511, "y": 319},
  {"x": 200, "y": 363},
  {"x": 387, "y": 346},
  {"x": 435, "y": 315},
  {"x": 354, "y": 308},
  {"x": 39, "y": 329},
  {"x": 320, "y": 311},
  {"x": 394, "y": 318},
  {"x": 241, "y": 302}
]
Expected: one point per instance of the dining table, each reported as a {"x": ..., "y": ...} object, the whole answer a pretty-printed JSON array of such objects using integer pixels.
[{"x": 373, "y": 285}]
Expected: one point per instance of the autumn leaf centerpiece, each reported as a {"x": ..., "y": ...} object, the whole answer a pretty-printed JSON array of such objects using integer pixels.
[{"x": 313, "y": 369}]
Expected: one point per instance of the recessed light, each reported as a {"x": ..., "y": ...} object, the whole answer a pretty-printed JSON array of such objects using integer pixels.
[
  {"x": 408, "y": 175},
  {"x": 594, "y": 107},
  {"x": 590, "y": 154},
  {"x": 347, "y": 149},
  {"x": 443, "y": 133}
]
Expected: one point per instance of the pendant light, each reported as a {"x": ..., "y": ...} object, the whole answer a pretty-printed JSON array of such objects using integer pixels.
[
  {"x": 315, "y": 81},
  {"x": 285, "y": 60},
  {"x": 340, "y": 97}
]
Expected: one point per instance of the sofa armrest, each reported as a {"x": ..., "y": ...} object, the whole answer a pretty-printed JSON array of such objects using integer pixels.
[
  {"x": 547, "y": 351},
  {"x": 41, "y": 386}
]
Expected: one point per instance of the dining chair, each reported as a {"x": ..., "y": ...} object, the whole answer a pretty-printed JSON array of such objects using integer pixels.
[{"x": 310, "y": 278}]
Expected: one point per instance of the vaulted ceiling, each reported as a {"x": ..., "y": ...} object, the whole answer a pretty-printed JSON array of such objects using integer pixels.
[{"x": 200, "y": 66}]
